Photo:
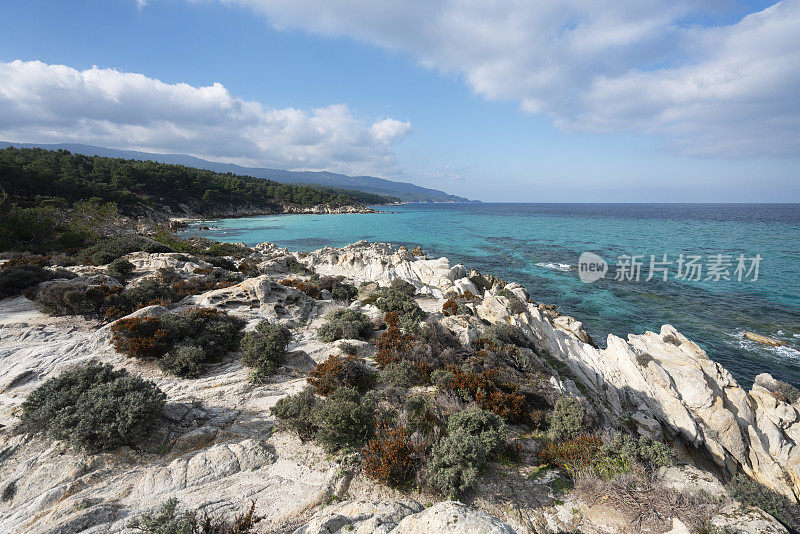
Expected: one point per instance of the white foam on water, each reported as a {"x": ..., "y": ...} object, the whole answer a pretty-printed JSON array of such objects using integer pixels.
[
  {"x": 554, "y": 266},
  {"x": 780, "y": 353}
]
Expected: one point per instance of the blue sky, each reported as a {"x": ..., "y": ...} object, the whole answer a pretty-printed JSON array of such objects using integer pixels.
[{"x": 650, "y": 101}]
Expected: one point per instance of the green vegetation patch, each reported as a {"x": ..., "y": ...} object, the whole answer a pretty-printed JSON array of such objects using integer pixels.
[{"x": 94, "y": 407}]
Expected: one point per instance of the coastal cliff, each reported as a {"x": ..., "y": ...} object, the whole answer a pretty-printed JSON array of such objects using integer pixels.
[{"x": 217, "y": 446}]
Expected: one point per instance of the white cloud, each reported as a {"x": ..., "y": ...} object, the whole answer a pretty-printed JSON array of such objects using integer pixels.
[
  {"x": 628, "y": 65},
  {"x": 141, "y": 4},
  {"x": 55, "y": 103}
]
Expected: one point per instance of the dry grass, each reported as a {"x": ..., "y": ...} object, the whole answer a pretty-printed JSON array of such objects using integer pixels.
[{"x": 645, "y": 502}]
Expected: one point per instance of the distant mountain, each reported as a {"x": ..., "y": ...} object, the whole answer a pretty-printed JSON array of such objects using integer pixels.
[{"x": 403, "y": 190}]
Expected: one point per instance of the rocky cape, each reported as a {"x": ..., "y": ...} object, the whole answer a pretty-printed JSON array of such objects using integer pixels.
[{"x": 223, "y": 451}]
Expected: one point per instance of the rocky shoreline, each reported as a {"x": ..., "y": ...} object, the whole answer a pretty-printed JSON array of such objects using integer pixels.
[{"x": 223, "y": 449}]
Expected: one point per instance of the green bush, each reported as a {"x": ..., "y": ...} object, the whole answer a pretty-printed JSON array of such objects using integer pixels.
[
  {"x": 213, "y": 330},
  {"x": 506, "y": 334},
  {"x": 120, "y": 269},
  {"x": 184, "y": 360},
  {"x": 388, "y": 300},
  {"x": 401, "y": 374},
  {"x": 648, "y": 453},
  {"x": 16, "y": 279},
  {"x": 175, "y": 338},
  {"x": 515, "y": 304},
  {"x": 747, "y": 491},
  {"x": 74, "y": 297},
  {"x": 145, "y": 293},
  {"x": 345, "y": 419},
  {"x": 166, "y": 520},
  {"x": 609, "y": 458},
  {"x": 568, "y": 419},
  {"x": 295, "y": 267},
  {"x": 348, "y": 348},
  {"x": 339, "y": 289},
  {"x": 473, "y": 436},
  {"x": 344, "y": 323},
  {"x": 298, "y": 412},
  {"x": 265, "y": 347},
  {"x": 224, "y": 263},
  {"x": 95, "y": 407},
  {"x": 442, "y": 378},
  {"x": 401, "y": 286},
  {"x": 163, "y": 520},
  {"x": 108, "y": 250}
]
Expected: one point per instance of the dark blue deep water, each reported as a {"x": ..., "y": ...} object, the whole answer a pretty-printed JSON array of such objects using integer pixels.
[{"x": 538, "y": 245}]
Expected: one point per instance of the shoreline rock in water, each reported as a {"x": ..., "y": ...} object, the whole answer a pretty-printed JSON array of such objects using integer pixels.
[{"x": 223, "y": 450}]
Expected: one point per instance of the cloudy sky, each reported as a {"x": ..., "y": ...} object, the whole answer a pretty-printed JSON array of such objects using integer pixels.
[{"x": 571, "y": 100}]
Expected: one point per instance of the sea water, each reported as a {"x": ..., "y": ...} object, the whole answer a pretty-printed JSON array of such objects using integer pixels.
[{"x": 539, "y": 246}]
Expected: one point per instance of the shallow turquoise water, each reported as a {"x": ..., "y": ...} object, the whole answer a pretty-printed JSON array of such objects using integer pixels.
[{"x": 538, "y": 245}]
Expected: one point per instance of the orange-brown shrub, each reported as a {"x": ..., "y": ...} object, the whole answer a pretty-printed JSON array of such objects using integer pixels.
[
  {"x": 140, "y": 337},
  {"x": 341, "y": 371},
  {"x": 393, "y": 343},
  {"x": 450, "y": 307},
  {"x": 201, "y": 270},
  {"x": 574, "y": 455},
  {"x": 193, "y": 286},
  {"x": 488, "y": 393},
  {"x": 39, "y": 261},
  {"x": 389, "y": 457},
  {"x": 309, "y": 289}
]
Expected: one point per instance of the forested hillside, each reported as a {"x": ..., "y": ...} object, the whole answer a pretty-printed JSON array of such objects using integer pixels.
[{"x": 33, "y": 176}]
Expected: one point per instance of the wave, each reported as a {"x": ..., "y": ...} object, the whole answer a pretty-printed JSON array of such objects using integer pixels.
[
  {"x": 554, "y": 266},
  {"x": 782, "y": 352}
]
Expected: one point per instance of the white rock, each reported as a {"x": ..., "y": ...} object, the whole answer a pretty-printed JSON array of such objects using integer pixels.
[{"x": 452, "y": 517}]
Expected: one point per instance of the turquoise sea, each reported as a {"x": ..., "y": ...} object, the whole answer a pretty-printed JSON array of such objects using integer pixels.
[{"x": 538, "y": 245}]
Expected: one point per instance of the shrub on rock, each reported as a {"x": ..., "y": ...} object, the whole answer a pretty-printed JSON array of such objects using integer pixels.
[
  {"x": 120, "y": 269},
  {"x": 344, "y": 323},
  {"x": 107, "y": 250},
  {"x": 473, "y": 436},
  {"x": 95, "y": 407},
  {"x": 265, "y": 347},
  {"x": 568, "y": 419},
  {"x": 298, "y": 412},
  {"x": 341, "y": 371},
  {"x": 147, "y": 293},
  {"x": 15, "y": 279},
  {"x": 388, "y": 300},
  {"x": 213, "y": 330},
  {"x": 141, "y": 337},
  {"x": 401, "y": 374},
  {"x": 401, "y": 286},
  {"x": 182, "y": 343},
  {"x": 515, "y": 304},
  {"x": 592, "y": 456},
  {"x": 450, "y": 307},
  {"x": 301, "y": 285},
  {"x": 346, "y": 419},
  {"x": 75, "y": 297},
  {"x": 166, "y": 520},
  {"x": 747, "y": 491},
  {"x": 340, "y": 290},
  {"x": 389, "y": 456},
  {"x": 184, "y": 360}
]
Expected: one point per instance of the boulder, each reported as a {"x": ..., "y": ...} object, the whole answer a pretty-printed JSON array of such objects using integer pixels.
[{"x": 454, "y": 518}]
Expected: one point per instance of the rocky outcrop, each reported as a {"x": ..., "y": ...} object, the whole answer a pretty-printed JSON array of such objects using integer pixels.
[
  {"x": 663, "y": 383},
  {"x": 379, "y": 262},
  {"x": 403, "y": 517},
  {"x": 216, "y": 449}
]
